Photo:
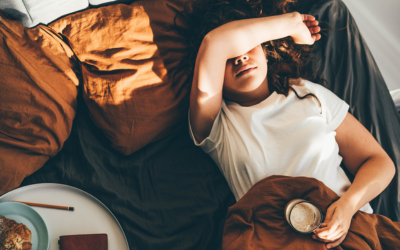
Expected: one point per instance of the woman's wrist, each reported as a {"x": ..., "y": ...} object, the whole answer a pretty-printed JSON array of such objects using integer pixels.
[
  {"x": 350, "y": 204},
  {"x": 298, "y": 28},
  {"x": 291, "y": 23}
]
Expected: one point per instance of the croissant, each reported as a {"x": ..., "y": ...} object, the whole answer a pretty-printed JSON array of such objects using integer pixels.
[{"x": 13, "y": 235}]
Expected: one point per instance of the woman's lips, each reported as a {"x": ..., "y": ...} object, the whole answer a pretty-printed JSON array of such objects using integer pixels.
[{"x": 244, "y": 72}]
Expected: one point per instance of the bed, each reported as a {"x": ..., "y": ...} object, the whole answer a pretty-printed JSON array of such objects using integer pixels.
[{"x": 95, "y": 98}]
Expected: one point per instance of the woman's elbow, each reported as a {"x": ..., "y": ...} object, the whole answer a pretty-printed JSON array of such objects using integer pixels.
[{"x": 390, "y": 167}]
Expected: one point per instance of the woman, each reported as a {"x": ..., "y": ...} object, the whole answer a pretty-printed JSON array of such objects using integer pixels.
[{"x": 254, "y": 123}]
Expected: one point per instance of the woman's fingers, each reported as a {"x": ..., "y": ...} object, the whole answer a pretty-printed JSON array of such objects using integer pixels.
[
  {"x": 336, "y": 235},
  {"x": 336, "y": 225},
  {"x": 332, "y": 227},
  {"x": 329, "y": 231},
  {"x": 307, "y": 17},
  {"x": 320, "y": 240},
  {"x": 336, "y": 242},
  {"x": 311, "y": 23},
  {"x": 315, "y": 30},
  {"x": 307, "y": 33}
]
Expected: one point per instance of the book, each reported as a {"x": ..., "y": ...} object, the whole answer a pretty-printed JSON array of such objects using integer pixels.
[{"x": 83, "y": 242}]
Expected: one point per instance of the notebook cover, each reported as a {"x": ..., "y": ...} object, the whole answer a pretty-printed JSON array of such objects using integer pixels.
[{"x": 83, "y": 242}]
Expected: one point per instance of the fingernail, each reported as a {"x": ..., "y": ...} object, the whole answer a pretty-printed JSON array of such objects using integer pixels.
[{"x": 328, "y": 247}]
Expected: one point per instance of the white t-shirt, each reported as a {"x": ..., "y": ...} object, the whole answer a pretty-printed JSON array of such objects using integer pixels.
[{"x": 280, "y": 136}]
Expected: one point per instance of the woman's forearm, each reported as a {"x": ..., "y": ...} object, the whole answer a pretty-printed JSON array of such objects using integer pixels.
[
  {"x": 231, "y": 40},
  {"x": 370, "y": 180},
  {"x": 235, "y": 38}
]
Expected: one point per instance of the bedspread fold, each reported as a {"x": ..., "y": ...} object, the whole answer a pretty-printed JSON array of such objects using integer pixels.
[{"x": 257, "y": 220}]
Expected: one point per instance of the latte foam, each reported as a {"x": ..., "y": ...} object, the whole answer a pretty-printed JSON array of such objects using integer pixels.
[{"x": 305, "y": 217}]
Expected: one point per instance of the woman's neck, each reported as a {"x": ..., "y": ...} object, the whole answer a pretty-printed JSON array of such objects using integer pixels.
[{"x": 250, "y": 98}]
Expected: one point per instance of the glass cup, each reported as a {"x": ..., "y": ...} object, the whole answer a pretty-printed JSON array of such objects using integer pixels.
[{"x": 303, "y": 216}]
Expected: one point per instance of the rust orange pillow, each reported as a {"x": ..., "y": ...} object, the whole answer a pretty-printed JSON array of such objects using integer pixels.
[
  {"x": 38, "y": 98},
  {"x": 132, "y": 83}
]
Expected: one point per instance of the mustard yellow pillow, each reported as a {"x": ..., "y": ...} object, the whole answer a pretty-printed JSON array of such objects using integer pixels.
[
  {"x": 38, "y": 98},
  {"x": 132, "y": 84}
]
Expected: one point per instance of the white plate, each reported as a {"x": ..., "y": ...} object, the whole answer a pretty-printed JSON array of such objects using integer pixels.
[{"x": 90, "y": 215}]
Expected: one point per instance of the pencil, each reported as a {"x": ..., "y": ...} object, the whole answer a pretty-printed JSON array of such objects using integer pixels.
[{"x": 47, "y": 205}]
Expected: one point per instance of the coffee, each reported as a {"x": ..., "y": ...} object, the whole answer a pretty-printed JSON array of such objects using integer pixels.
[{"x": 305, "y": 217}]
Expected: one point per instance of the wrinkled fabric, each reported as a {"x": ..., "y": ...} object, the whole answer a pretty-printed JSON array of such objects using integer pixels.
[
  {"x": 38, "y": 91},
  {"x": 130, "y": 57},
  {"x": 344, "y": 60},
  {"x": 170, "y": 195},
  {"x": 257, "y": 220}
]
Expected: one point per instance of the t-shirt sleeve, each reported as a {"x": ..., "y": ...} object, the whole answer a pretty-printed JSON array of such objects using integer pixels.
[
  {"x": 210, "y": 142},
  {"x": 334, "y": 109}
]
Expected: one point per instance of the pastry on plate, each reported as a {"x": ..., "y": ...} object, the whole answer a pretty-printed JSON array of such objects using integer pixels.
[{"x": 13, "y": 235}]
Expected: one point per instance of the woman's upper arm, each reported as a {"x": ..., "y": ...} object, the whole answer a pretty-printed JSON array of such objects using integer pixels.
[
  {"x": 356, "y": 144},
  {"x": 206, "y": 92}
]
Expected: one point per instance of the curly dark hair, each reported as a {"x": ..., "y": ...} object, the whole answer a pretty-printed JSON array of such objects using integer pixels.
[{"x": 286, "y": 59}]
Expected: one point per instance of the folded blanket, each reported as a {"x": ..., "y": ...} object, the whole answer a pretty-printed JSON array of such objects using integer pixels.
[{"x": 257, "y": 220}]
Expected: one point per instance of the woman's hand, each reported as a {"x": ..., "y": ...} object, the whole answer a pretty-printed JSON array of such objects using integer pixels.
[
  {"x": 336, "y": 225},
  {"x": 373, "y": 170},
  {"x": 307, "y": 31}
]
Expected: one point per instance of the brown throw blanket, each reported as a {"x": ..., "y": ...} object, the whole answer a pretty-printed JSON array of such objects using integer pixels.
[{"x": 257, "y": 220}]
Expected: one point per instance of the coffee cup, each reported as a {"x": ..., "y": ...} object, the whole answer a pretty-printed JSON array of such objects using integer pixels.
[{"x": 303, "y": 216}]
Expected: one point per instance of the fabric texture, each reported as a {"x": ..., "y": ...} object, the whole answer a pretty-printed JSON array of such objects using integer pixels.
[
  {"x": 344, "y": 60},
  {"x": 257, "y": 221},
  {"x": 167, "y": 195},
  {"x": 100, "y": 2},
  {"x": 33, "y": 12},
  {"x": 38, "y": 98},
  {"x": 130, "y": 58},
  {"x": 171, "y": 195},
  {"x": 280, "y": 136}
]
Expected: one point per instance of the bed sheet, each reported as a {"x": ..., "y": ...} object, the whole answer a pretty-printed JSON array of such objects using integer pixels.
[
  {"x": 171, "y": 195},
  {"x": 168, "y": 195}
]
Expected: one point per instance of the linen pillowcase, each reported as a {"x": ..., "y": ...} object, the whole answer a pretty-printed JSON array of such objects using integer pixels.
[
  {"x": 38, "y": 99},
  {"x": 100, "y": 2},
  {"x": 33, "y": 12},
  {"x": 132, "y": 82}
]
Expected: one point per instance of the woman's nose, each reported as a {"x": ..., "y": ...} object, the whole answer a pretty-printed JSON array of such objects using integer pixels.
[{"x": 241, "y": 59}]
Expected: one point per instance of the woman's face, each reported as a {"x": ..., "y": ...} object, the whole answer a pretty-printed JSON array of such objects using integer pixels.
[{"x": 245, "y": 73}]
